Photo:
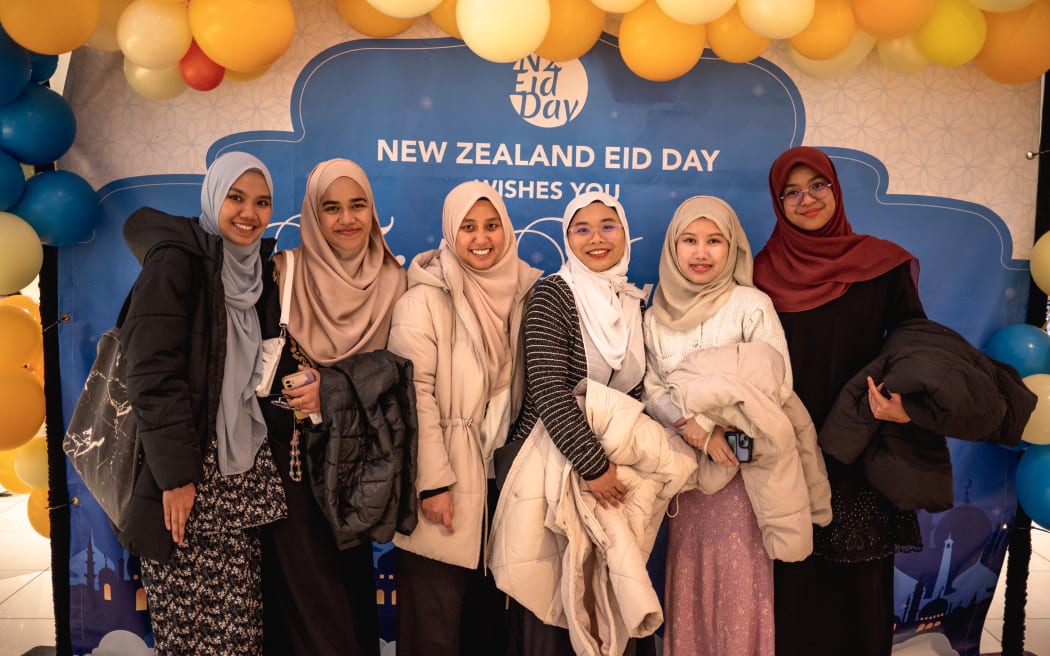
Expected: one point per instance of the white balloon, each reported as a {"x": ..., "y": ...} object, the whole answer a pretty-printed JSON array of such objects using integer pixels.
[
  {"x": 618, "y": 6},
  {"x": 154, "y": 83},
  {"x": 695, "y": 12},
  {"x": 503, "y": 31},
  {"x": 847, "y": 60},
  {"x": 404, "y": 8},
  {"x": 1000, "y": 6},
  {"x": 777, "y": 19},
  {"x": 902, "y": 55},
  {"x": 154, "y": 33}
]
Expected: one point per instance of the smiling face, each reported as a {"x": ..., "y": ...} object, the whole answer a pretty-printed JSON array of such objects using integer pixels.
[
  {"x": 246, "y": 210},
  {"x": 810, "y": 213},
  {"x": 345, "y": 213},
  {"x": 596, "y": 237},
  {"x": 480, "y": 237},
  {"x": 702, "y": 251}
]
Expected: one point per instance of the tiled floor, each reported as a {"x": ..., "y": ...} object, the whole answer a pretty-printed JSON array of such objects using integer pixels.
[{"x": 27, "y": 617}]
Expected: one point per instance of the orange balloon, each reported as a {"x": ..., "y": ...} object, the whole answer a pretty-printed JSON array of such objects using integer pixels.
[
  {"x": 1017, "y": 47},
  {"x": 575, "y": 27},
  {"x": 242, "y": 35},
  {"x": 885, "y": 19},
  {"x": 244, "y": 76},
  {"x": 369, "y": 21},
  {"x": 50, "y": 27},
  {"x": 21, "y": 407},
  {"x": 444, "y": 16},
  {"x": 731, "y": 39},
  {"x": 9, "y": 479},
  {"x": 38, "y": 510},
  {"x": 828, "y": 33},
  {"x": 25, "y": 303},
  {"x": 22, "y": 337},
  {"x": 656, "y": 47}
]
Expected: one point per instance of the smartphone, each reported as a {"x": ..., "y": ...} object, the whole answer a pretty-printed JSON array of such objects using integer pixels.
[
  {"x": 298, "y": 379},
  {"x": 741, "y": 444}
]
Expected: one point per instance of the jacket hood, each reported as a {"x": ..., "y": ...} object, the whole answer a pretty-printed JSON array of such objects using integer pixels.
[
  {"x": 425, "y": 269},
  {"x": 148, "y": 228}
]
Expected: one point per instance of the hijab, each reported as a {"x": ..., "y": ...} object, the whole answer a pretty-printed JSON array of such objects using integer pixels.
[
  {"x": 490, "y": 294},
  {"x": 681, "y": 304},
  {"x": 341, "y": 306},
  {"x": 608, "y": 305},
  {"x": 802, "y": 269},
  {"x": 239, "y": 424}
]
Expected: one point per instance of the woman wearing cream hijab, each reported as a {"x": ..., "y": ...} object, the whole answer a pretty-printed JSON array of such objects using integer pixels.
[
  {"x": 320, "y": 600},
  {"x": 459, "y": 324}
]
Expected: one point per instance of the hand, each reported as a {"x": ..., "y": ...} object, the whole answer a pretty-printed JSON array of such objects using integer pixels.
[
  {"x": 607, "y": 489},
  {"x": 306, "y": 399},
  {"x": 886, "y": 409},
  {"x": 719, "y": 450},
  {"x": 177, "y": 506},
  {"x": 692, "y": 433},
  {"x": 438, "y": 509}
]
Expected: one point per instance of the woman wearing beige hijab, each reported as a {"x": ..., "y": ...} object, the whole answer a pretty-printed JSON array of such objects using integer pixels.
[
  {"x": 459, "y": 323},
  {"x": 719, "y": 596},
  {"x": 318, "y": 599}
]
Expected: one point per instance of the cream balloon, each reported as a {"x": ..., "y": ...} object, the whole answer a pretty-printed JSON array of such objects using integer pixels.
[
  {"x": 21, "y": 254},
  {"x": 1000, "y": 6},
  {"x": 901, "y": 55},
  {"x": 1037, "y": 430},
  {"x": 31, "y": 462},
  {"x": 1039, "y": 261},
  {"x": 155, "y": 84},
  {"x": 405, "y": 8},
  {"x": 105, "y": 35},
  {"x": 858, "y": 49},
  {"x": 154, "y": 33},
  {"x": 503, "y": 31},
  {"x": 777, "y": 19},
  {"x": 694, "y": 12},
  {"x": 618, "y": 6}
]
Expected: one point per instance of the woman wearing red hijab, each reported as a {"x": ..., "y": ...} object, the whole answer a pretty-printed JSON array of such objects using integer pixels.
[{"x": 838, "y": 294}]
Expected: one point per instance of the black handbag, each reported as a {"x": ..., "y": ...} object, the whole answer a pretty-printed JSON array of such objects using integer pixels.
[{"x": 102, "y": 440}]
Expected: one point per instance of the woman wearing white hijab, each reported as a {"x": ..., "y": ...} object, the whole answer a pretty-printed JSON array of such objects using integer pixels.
[
  {"x": 719, "y": 579},
  {"x": 191, "y": 339},
  {"x": 585, "y": 321},
  {"x": 459, "y": 323}
]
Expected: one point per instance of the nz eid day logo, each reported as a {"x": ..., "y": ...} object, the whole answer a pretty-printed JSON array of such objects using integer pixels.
[{"x": 548, "y": 94}]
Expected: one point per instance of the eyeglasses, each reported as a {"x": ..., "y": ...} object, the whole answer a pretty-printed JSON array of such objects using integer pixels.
[
  {"x": 816, "y": 191},
  {"x": 607, "y": 229},
  {"x": 281, "y": 401}
]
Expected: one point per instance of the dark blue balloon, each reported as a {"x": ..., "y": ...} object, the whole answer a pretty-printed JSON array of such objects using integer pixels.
[
  {"x": 1033, "y": 483},
  {"x": 1022, "y": 346},
  {"x": 37, "y": 127},
  {"x": 43, "y": 67},
  {"x": 12, "y": 182},
  {"x": 61, "y": 206},
  {"x": 14, "y": 68}
]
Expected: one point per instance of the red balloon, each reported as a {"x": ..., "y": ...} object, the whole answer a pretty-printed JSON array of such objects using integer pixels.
[{"x": 198, "y": 71}]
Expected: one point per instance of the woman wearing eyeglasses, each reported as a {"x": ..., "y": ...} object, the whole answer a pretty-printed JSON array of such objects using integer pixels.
[{"x": 838, "y": 294}]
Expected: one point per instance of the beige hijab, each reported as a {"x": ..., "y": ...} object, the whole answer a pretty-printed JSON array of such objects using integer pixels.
[
  {"x": 341, "y": 307},
  {"x": 490, "y": 295},
  {"x": 681, "y": 304}
]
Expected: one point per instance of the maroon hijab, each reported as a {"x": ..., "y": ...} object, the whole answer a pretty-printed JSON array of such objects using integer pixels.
[{"x": 802, "y": 269}]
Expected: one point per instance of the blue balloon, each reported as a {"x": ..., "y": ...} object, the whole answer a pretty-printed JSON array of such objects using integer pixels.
[
  {"x": 14, "y": 68},
  {"x": 61, "y": 206},
  {"x": 12, "y": 182},
  {"x": 38, "y": 127},
  {"x": 43, "y": 67},
  {"x": 1033, "y": 483},
  {"x": 1024, "y": 347}
]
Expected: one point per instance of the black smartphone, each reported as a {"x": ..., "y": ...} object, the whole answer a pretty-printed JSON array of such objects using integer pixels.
[{"x": 741, "y": 443}]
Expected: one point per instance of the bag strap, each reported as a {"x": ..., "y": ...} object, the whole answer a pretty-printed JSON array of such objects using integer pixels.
[{"x": 286, "y": 293}]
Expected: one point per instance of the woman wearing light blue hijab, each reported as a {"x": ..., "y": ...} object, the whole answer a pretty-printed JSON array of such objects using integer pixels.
[{"x": 191, "y": 341}]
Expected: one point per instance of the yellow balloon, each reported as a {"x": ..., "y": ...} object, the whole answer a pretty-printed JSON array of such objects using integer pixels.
[
  {"x": 901, "y": 55},
  {"x": 731, "y": 39},
  {"x": 656, "y": 47},
  {"x": 38, "y": 511},
  {"x": 503, "y": 31},
  {"x": 1001, "y": 6},
  {"x": 575, "y": 27},
  {"x": 154, "y": 33},
  {"x": 404, "y": 8},
  {"x": 444, "y": 16},
  {"x": 31, "y": 462},
  {"x": 844, "y": 62},
  {"x": 9, "y": 480},
  {"x": 777, "y": 19},
  {"x": 364, "y": 18},
  {"x": 22, "y": 337},
  {"x": 618, "y": 6},
  {"x": 695, "y": 12},
  {"x": 49, "y": 27},
  {"x": 1039, "y": 261},
  {"x": 245, "y": 76},
  {"x": 1037, "y": 430},
  {"x": 24, "y": 303},
  {"x": 1017, "y": 48},
  {"x": 21, "y": 407},
  {"x": 21, "y": 254},
  {"x": 830, "y": 31},
  {"x": 163, "y": 84},
  {"x": 242, "y": 35},
  {"x": 105, "y": 35},
  {"x": 953, "y": 34}
]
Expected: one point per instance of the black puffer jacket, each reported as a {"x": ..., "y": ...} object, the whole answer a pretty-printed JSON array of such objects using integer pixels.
[
  {"x": 361, "y": 461},
  {"x": 948, "y": 388},
  {"x": 174, "y": 342}
]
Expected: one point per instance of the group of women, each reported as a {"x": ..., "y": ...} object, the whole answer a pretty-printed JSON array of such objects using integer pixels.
[{"x": 223, "y": 516}]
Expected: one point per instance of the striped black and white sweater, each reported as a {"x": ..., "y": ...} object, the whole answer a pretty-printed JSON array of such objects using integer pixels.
[{"x": 555, "y": 361}]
